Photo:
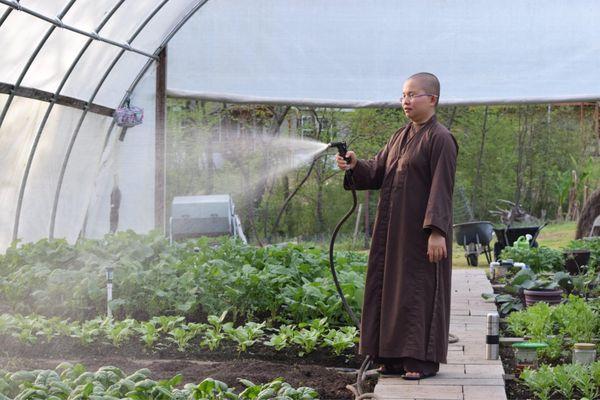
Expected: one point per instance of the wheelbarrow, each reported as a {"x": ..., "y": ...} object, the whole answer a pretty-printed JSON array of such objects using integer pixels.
[
  {"x": 508, "y": 236},
  {"x": 475, "y": 237}
]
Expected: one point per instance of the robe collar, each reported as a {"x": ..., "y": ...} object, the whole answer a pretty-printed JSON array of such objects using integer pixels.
[{"x": 427, "y": 124}]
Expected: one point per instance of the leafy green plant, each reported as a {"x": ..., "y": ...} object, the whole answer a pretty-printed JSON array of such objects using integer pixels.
[
  {"x": 165, "y": 323},
  {"x": 88, "y": 331},
  {"x": 120, "y": 331},
  {"x": 181, "y": 337},
  {"x": 281, "y": 283},
  {"x": 245, "y": 336},
  {"x": 577, "y": 320},
  {"x": 307, "y": 339},
  {"x": 539, "y": 259},
  {"x": 283, "y": 338},
  {"x": 507, "y": 303},
  {"x": 540, "y": 382},
  {"x": 586, "y": 383},
  {"x": 341, "y": 340},
  {"x": 149, "y": 334},
  {"x": 276, "y": 389},
  {"x": 565, "y": 378},
  {"x": 214, "y": 332}
]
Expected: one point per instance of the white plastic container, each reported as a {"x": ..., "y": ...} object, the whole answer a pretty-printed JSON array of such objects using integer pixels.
[{"x": 584, "y": 353}]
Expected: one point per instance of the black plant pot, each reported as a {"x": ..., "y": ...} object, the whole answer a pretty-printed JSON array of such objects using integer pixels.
[
  {"x": 574, "y": 259},
  {"x": 551, "y": 297}
]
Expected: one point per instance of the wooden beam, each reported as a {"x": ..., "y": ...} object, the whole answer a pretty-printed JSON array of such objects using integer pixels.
[{"x": 67, "y": 101}]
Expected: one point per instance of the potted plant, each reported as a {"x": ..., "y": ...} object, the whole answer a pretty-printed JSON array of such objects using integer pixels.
[
  {"x": 576, "y": 255},
  {"x": 547, "y": 287}
]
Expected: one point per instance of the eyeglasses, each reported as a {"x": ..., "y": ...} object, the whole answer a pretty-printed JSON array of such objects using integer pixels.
[{"x": 412, "y": 96}]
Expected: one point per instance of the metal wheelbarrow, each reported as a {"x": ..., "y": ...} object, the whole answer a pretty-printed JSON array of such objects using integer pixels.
[
  {"x": 475, "y": 237},
  {"x": 508, "y": 235}
]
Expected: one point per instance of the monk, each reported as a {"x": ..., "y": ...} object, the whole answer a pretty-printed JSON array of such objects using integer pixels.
[{"x": 406, "y": 311}]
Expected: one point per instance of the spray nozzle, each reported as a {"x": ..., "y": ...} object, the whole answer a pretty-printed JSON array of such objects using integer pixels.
[{"x": 341, "y": 146}]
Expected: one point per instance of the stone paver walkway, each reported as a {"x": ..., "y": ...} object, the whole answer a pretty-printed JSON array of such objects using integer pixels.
[{"x": 468, "y": 375}]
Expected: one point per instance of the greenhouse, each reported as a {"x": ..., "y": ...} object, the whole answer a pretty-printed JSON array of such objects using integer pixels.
[{"x": 170, "y": 197}]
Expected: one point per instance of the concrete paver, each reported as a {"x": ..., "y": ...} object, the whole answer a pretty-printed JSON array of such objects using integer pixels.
[{"x": 467, "y": 375}]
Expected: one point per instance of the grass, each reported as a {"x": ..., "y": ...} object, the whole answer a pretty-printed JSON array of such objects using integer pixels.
[{"x": 554, "y": 235}]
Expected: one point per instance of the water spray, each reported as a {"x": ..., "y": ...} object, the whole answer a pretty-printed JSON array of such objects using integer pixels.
[{"x": 357, "y": 388}]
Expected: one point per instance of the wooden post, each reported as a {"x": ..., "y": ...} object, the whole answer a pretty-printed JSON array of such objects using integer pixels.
[
  {"x": 356, "y": 225},
  {"x": 367, "y": 222},
  {"x": 160, "y": 148}
]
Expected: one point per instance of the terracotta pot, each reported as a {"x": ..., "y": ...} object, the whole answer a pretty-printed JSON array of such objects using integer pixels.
[
  {"x": 574, "y": 259},
  {"x": 549, "y": 296}
]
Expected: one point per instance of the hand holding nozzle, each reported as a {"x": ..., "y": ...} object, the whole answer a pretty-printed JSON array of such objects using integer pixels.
[{"x": 347, "y": 162}]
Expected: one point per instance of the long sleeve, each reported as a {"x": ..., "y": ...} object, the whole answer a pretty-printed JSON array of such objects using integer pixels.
[
  {"x": 443, "y": 154},
  {"x": 368, "y": 174}
]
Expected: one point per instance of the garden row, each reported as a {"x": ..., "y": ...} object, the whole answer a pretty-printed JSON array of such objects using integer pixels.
[
  {"x": 573, "y": 321},
  {"x": 161, "y": 332},
  {"x": 551, "y": 302},
  {"x": 569, "y": 381},
  {"x": 545, "y": 271},
  {"x": 283, "y": 283},
  {"x": 73, "y": 382}
]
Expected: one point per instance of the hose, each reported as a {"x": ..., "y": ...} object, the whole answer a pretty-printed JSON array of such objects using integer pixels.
[
  {"x": 357, "y": 389},
  {"x": 331, "y": 246}
]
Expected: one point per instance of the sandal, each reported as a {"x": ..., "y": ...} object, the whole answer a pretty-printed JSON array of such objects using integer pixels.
[
  {"x": 390, "y": 371},
  {"x": 420, "y": 376}
]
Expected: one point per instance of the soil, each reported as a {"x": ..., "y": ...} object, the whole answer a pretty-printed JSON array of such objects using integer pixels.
[
  {"x": 260, "y": 364},
  {"x": 329, "y": 383},
  {"x": 71, "y": 347}
]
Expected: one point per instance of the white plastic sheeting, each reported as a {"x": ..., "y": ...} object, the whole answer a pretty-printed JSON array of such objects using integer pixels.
[
  {"x": 322, "y": 52},
  {"x": 58, "y": 162},
  {"x": 355, "y": 53}
]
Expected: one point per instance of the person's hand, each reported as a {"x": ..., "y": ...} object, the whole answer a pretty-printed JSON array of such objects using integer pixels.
[
  {"x": 436, "y": 247},
  {"x": 346, "y": 165}
]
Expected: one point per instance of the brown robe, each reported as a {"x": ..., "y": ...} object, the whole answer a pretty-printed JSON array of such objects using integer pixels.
[{"x": 402, "y": 316}]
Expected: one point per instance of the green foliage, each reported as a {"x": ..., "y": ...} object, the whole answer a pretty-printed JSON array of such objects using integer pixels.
[
  {"x": 341, "y": 340},
  {"x": 565, "y": 378},
  {"x": 245, "y": 336},
  {"x": 529, "y": 152},
  {"x": 69, "y": 381},
  {"x": 539, "y": 259},
  {"x": 285, "y": 283},
  {"x": 540, "y": 382},
  {"x": 592, "y": 244},
  {"x": 527, "y": 279},
  {"x": 507, "y": 303},
  {"x": 574, "y": 319},
  {"x": 162, "y": 331}
]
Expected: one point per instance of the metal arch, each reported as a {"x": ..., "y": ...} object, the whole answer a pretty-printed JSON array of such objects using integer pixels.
[
  {"x": 55, "y": 97},
  {"x": 169, "y": 36},
  {"x": 82, "y": 118},
  {"x": 5, "y": 15},
  {"x": 22, "y": 76},
  {"x": 140, "y": 75},
  {"x": 57, "y": 22},
  {"x": 31, "y": 60}
]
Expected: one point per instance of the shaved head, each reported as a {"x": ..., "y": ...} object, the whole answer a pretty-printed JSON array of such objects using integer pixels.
[{"x": 428, "y": 82}]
